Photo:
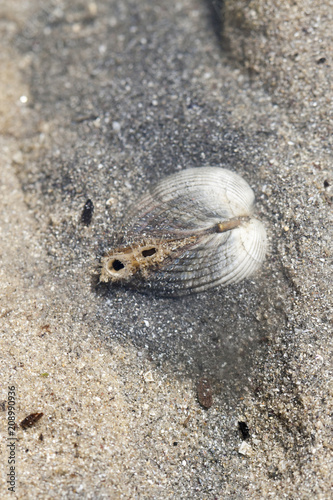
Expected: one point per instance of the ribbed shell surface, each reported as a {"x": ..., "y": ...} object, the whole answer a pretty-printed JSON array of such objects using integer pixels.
[
  {"x": 191, "y": 199},
  {"x": 192, "y": 203}
]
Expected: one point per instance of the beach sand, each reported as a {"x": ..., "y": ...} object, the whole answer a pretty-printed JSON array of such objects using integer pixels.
[{"x": 97, "y": 101}]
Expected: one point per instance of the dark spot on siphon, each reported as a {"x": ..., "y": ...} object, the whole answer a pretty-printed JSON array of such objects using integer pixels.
[
  {"x": 117, "y": 265},
  {"x": 148, "y": 252}
]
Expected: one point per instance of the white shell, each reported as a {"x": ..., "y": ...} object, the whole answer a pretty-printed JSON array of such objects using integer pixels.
[{"x": 193, "y": 231}]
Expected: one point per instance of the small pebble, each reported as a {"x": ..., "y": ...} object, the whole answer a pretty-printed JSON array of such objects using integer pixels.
[
  {"x": 204, "y": 390},
  {"x": 148, "y": 376},
  {"x": 87, "y": 213},
  {"x": 245, "y": 449},
  {"x": 30, "y": 420},
  {"x": 116, "y": 126}
]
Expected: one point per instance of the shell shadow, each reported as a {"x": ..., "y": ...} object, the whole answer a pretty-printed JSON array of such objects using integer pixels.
[
  {"x": 214, "y": 334},
  {"x": 216, "y": 17}
]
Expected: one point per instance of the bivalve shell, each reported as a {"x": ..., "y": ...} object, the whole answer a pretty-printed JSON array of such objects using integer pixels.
[{"x": 193, "y": 231}]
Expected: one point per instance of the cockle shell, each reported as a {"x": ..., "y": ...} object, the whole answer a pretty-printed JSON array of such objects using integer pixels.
[{"x": 193, "y": 231}]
